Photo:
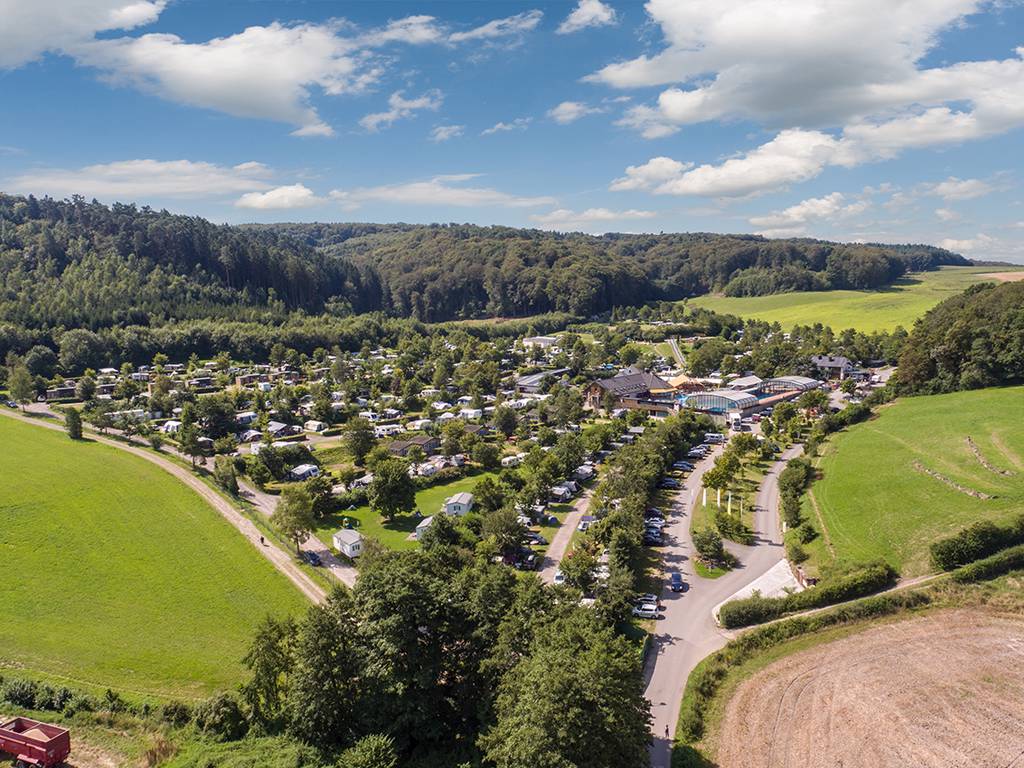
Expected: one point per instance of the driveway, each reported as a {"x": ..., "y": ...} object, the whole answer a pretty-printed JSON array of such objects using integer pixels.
[
  {"x": 266, "y": 503},
  {"x": 560, "y": 541},
  {"x": 686, "y": 632}
]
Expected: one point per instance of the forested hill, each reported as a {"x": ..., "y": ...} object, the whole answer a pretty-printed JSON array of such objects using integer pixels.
[{"x": 79, "y": 264}]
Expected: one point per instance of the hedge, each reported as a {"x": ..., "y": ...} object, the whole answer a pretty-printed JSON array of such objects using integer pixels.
[
  {"x": 1011, "y": 559},
  {"x": 980, "y": 540},
  {"x": 709, "y": 675},
  {"x": 757, "y": 609}
]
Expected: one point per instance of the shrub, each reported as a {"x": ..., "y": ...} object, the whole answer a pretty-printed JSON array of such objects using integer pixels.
[
  {"x": 21, "y": 693},
  {"x": 1011, "y": 559},
  {"x": 757, "y": 609},
  {"x": 79, "y": 702},
  {"x": 221, "y": 717},
  {"x": 175, "y": 713},
  {"x": 795, "y": 553},
  {"x": 807, "y": 533},
  {"x": 980, "y": 540},
  {"x": 53, "y": 699}
]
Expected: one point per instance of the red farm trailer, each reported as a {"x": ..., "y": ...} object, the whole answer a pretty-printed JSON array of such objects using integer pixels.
[{"x": 34, "y": 743}]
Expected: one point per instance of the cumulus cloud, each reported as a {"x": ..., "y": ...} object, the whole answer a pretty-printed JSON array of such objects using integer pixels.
[
  {"x": 796, "y": 218},
  {"x": 571, "y": 111},
  {"x": 400, "y": 108},
  {"x": 261, "y": 72},
  {"x": 853, "y": 70},
  {"x": 958, "y": 189},
  {"x": 279, "y": 198},
  {"x": 266, "y": 72},
  {"x": 130, "y": 180},
  {"x": 519, "y": 124},
  {"x": 945, "y": 214},
  {"x": 441, "y": 133},
  {"x": 512, "y": 26},
  {"x": 438, "y": 191},
  {"x": 587, "y": 13},
  {"x": 32, "y": 28},
  {"x": 653, "y": 173},
  {"x": 565, "y": 219}
]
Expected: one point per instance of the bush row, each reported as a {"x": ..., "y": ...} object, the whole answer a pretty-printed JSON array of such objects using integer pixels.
[
  {"x": 707, "y": 678},
  {"x": 757, "y": 609},
  {"x": 1011, "y": 559},
  {"x": 980, "y": 540}
]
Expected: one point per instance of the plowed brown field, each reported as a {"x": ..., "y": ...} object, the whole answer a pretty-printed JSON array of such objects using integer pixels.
[{"x": 945, "y": 691}]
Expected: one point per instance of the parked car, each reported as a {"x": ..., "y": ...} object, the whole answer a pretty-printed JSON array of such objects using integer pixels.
[
  {"x": 646, "y": 598},
  {"x": 675, "y": 582},
  {"x": 669, "y": 483},
  {"x": 535, "y": 538},
  {"x": 559, "y": 577},
  {"x": 652, "y": 539},
  {"x": 683, "y": 465},
  {"x": 313, "y": 559},
  {"x": 646, "y": 611},
  {"x": 11, "y": 404}
]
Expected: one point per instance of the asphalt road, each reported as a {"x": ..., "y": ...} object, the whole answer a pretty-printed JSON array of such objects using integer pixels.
[
  {"x": 686, "y": 631},
  {"x": 560, "y": 541}
]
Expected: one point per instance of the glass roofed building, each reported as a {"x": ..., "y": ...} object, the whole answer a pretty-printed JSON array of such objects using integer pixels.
[
  {"x": 789, "y": 384},
  {"x": 720, "y": 401}
]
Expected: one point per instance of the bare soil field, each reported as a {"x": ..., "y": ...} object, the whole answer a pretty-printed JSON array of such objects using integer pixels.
[
  {"x": 1004, "y": 277},
  {"x": 946, "y": 690}
]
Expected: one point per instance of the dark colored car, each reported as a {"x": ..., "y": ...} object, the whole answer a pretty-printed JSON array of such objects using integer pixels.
[
  {"x": 314, "y": 559},
  {"x": 675, "y": 582}
]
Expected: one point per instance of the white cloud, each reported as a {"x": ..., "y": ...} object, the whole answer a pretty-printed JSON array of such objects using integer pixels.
[
  {"x": 822, "y": 65},
  {"x": 979, "y": 242},
  {"x": 279, "y": 198},
  {"x": 33, "y": 27},
  {"x": 438, "y": 191},
  {"x": 131, "y": 180},
  {"x": 513, "y": 26},
  {"x": 261, "y": 72},
  {"x": 412, "y": 30},
  {"x": 565, "y": 219},
  {"x": 571, "y": 111},
  {"x": 959, "y": 189},
  {"x": 445, "y": 132},
  {"x": 945, "y": 214},
  {"x": 796, "y": 218},
  {"x": 792, "y": 156},
  {"x": 587, "y": 13},
  {"x": 653, "y": 173},
  {"x": 519, "y": 124},
  {"x": 400, "y": 107}
]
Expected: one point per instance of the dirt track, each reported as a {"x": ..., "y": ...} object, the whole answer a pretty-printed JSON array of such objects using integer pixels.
[
  {"x": 1004, "y": 277},
  {"x": 938, "y": 691}
]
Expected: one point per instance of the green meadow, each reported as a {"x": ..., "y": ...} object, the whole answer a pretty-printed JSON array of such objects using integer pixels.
[
  {"x": 874, "y": 501},
  {"x": 867, "y": 311},
  {"x": 115, "y": 574}
]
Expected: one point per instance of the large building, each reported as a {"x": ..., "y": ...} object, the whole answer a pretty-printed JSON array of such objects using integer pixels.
[
  {"x": 721, "y": 401},
  {"x": 629, "y": 388}
]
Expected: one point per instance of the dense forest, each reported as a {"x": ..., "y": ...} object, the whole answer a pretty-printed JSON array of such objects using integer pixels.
[
  {"x": 972, "y": 340},
  {"x": 78, "y": 264}
]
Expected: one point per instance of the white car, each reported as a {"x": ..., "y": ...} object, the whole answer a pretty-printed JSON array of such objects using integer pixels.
[
  {"x": 646, "y": 611},
  {"x": 559, "y": 577}
]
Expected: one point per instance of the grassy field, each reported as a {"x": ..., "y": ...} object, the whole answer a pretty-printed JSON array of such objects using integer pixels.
[
  {"x": 395, "y": 534},
  {"x": 117, "y": 575},
  {"x": 865, "y": 311},
  {"x": 876, "y": 504}
]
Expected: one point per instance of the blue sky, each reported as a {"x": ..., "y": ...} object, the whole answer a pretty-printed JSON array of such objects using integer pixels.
[{"x": 881, "y": 120}]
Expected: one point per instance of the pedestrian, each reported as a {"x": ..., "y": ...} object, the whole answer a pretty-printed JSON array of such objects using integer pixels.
[
  {"x": 666, "y": 731},
  {"x": 261, "y": 542}
]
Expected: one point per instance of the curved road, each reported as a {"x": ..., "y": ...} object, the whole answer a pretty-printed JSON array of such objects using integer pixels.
[
  {"x": 279, "y": 558},
  {"x": 686, "y": 632}
]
